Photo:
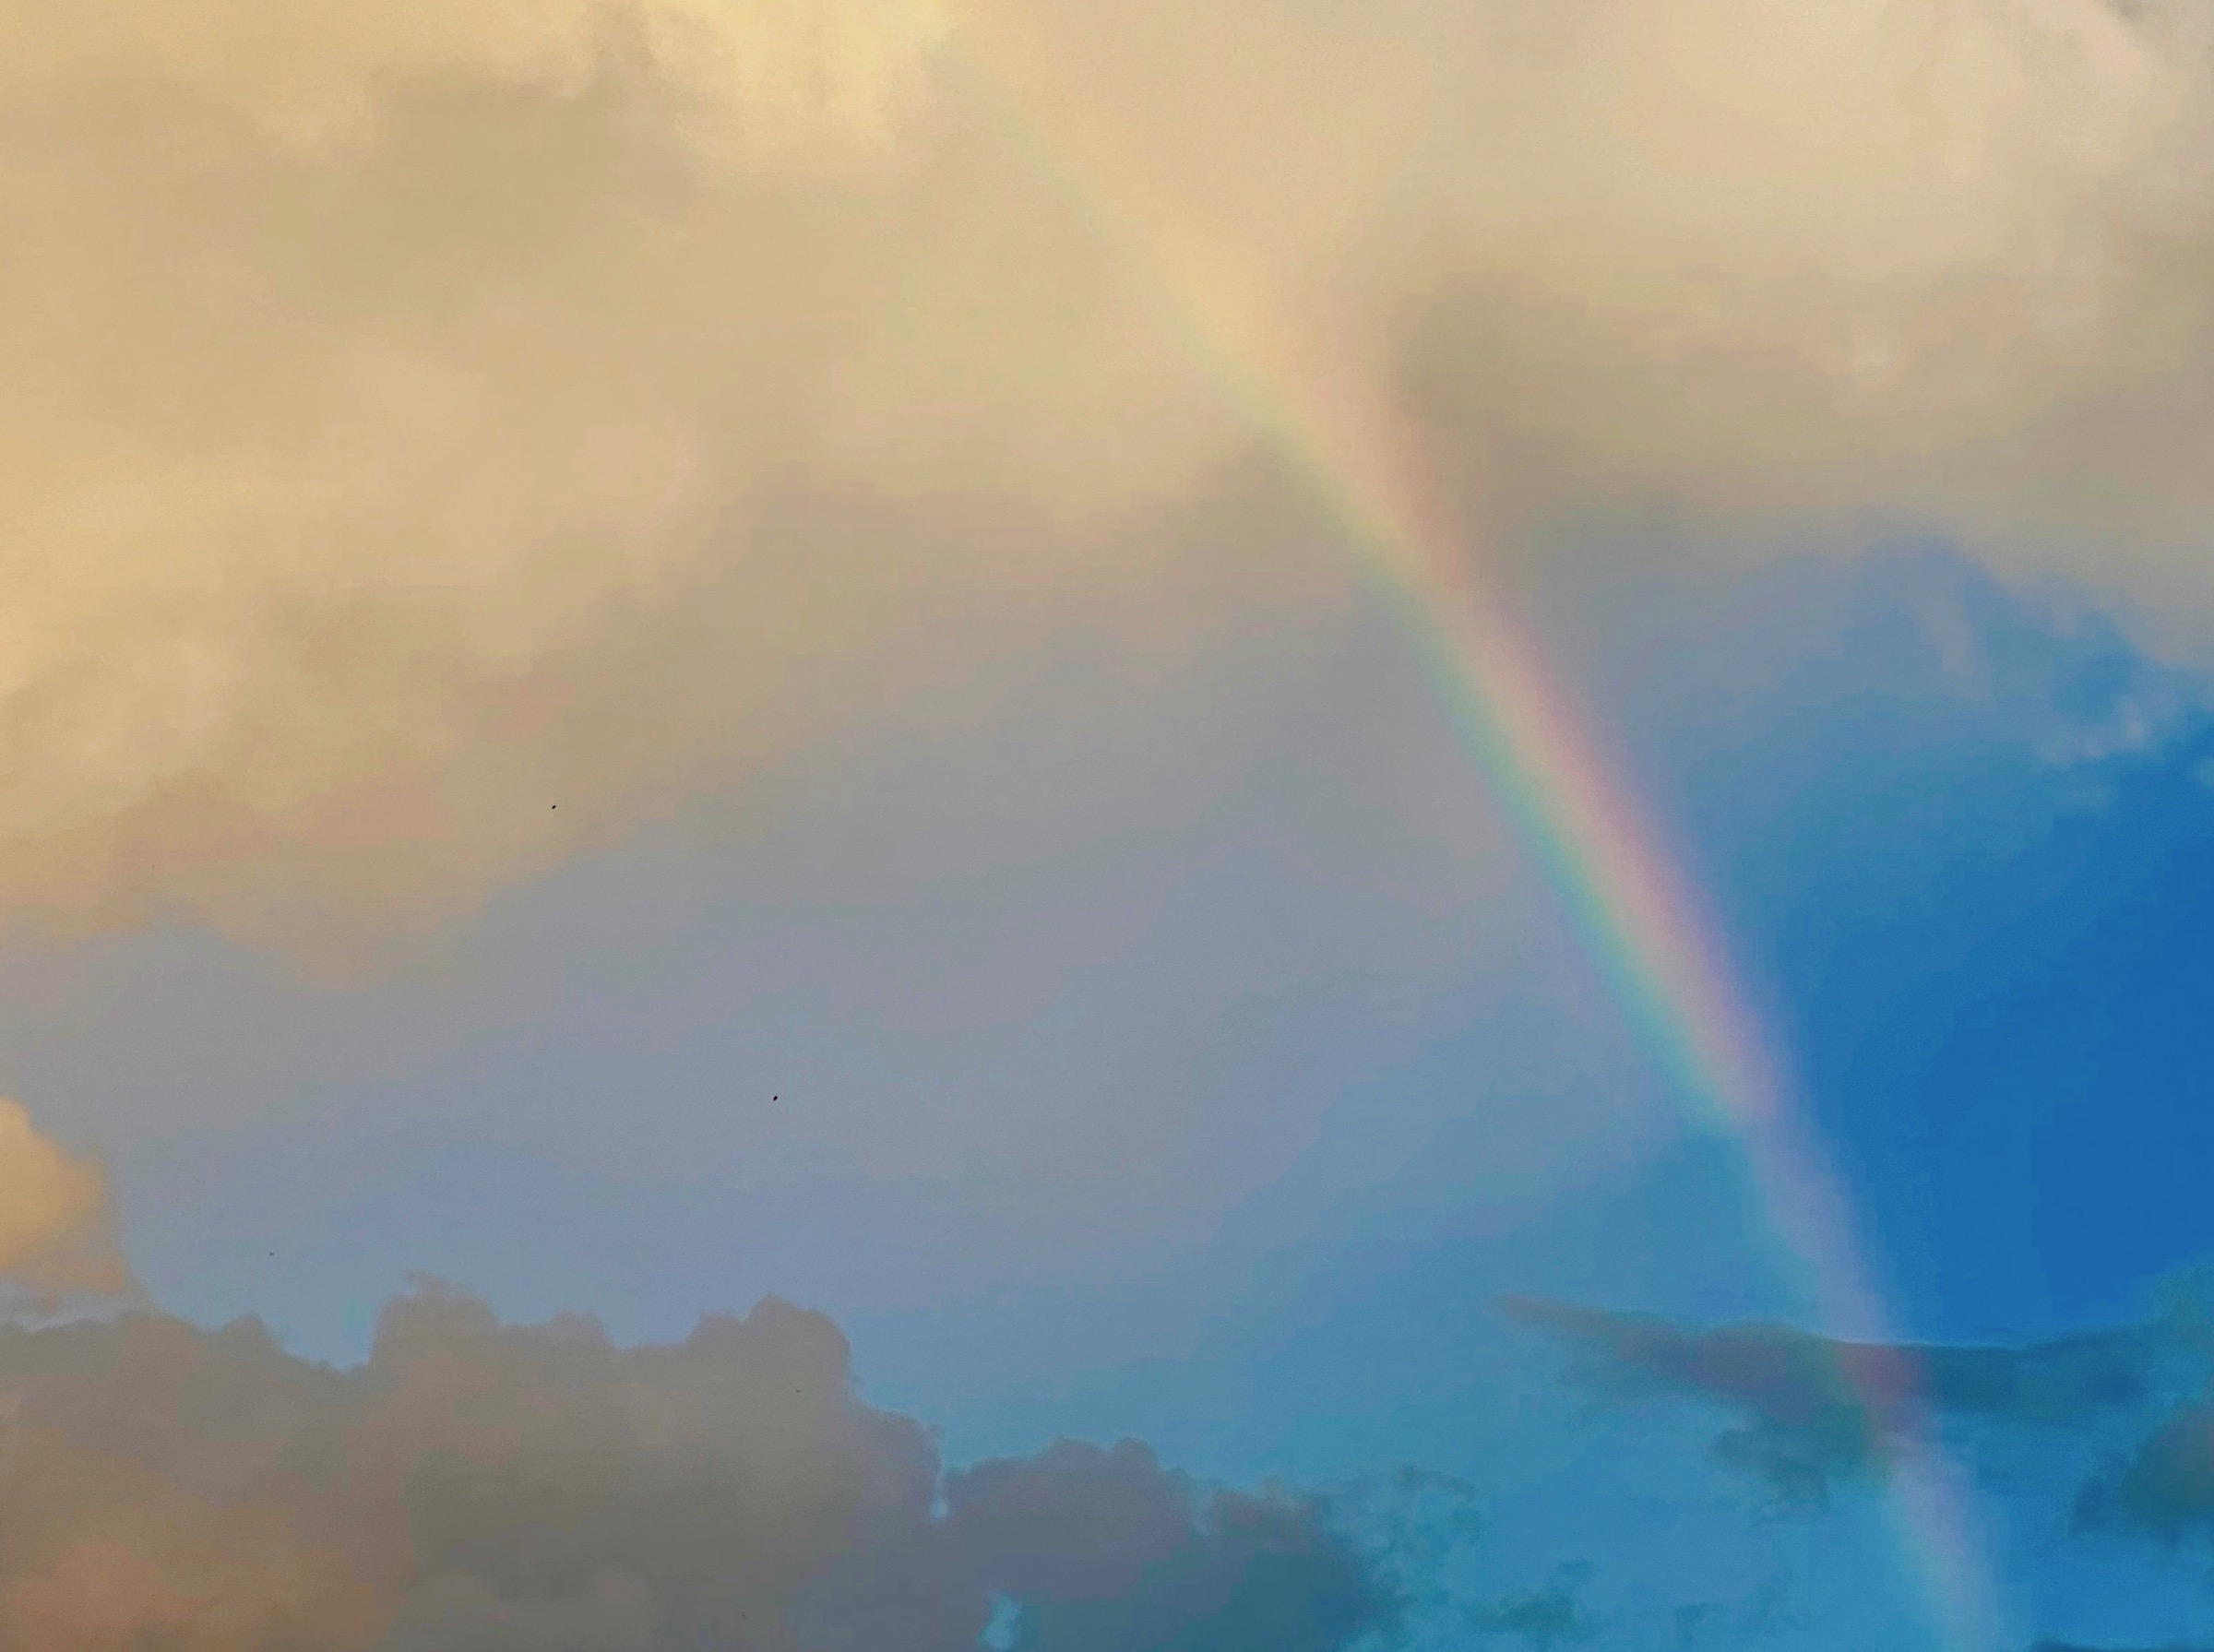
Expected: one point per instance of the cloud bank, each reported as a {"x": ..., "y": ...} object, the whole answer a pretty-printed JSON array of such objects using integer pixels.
[
  {"x": 438, "y": 440},
  {"x": 477, "y": 1486}
]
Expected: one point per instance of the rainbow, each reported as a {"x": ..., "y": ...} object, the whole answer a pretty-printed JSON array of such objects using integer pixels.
[{"x": 1637, "y": 912}]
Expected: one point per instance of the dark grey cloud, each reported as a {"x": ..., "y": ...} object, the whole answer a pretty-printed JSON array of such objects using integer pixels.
[
  {"x": 481, "y": 1486},
  {"x": 1545, "y": 1620},
  {"x": 2164, "y": 1488},
  {"x": 1809, "y": 1408},
  {"x": 1105, "y": 1552}
]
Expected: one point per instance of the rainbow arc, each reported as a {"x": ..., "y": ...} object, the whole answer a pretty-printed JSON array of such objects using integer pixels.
[{"x": 1638, "y": 915}]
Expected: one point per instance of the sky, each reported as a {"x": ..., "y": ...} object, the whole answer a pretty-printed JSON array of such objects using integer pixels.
[{"x": 929, "y": 824}]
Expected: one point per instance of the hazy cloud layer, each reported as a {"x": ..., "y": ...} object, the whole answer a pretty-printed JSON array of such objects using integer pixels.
[
  {"x": 441, "y": 438},
  {"x": 481, "y": 1486},
  {"x": 1811, "y": 1409}
]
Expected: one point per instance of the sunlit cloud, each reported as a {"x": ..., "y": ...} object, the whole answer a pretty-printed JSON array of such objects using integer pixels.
[
  {"x": 55, "y": 1234},
  {"x": 445, "y": 438}
]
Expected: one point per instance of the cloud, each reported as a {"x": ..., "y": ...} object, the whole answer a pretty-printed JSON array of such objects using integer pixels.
[
  {"x": 2164, "y": 1490},
  {"x": 1543, "y": 1619},
  {"x": 1750, "y": 275},
  {"x": 104, "y": 1554},
  {"x": 2081, "y": 1463},
  {"x": 477, "y": 1486},
  {"x": 316, "y": 74},
  {"x": 1099, "y": 1549},
  {"x": 441, "y": 439},
  {"x": 1805, "y": 275},
  {"x": 55, "y": 1236},
  {"x": 1812, "y": 1408}
]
